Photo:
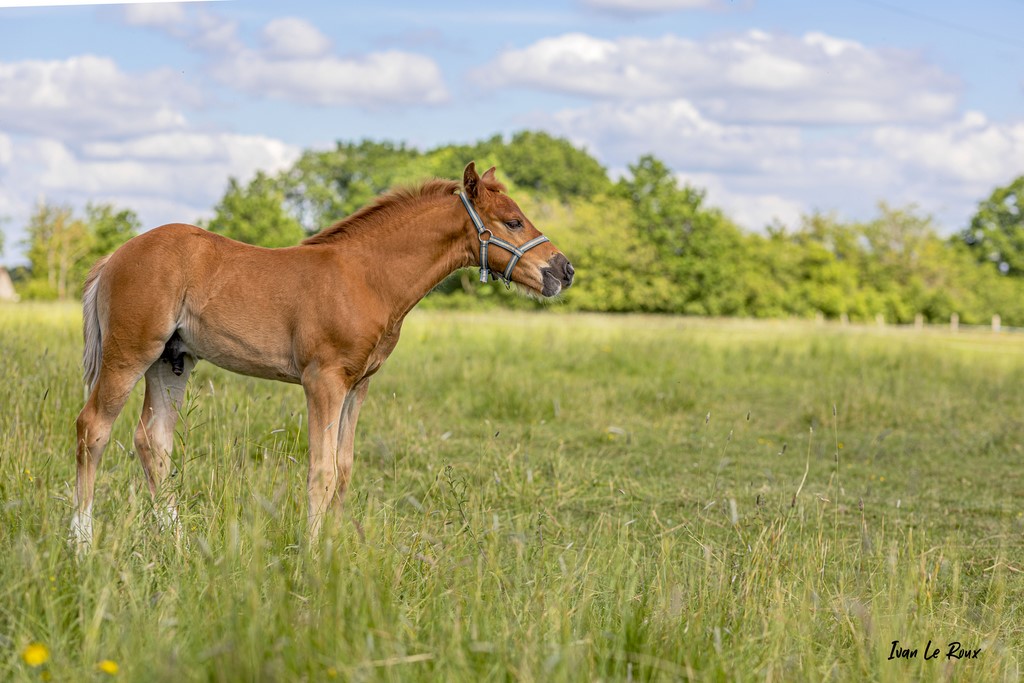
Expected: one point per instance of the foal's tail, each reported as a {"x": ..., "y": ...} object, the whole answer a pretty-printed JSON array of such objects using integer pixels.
[{"x": 93, "y": 354}]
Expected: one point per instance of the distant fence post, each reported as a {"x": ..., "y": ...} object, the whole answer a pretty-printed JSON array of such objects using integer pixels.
[
  {"x": 879, "y": 319},
  {"x": 844, "y": 319},
  {"x": 997, "y": 323},
  {"x": 918, "y": 322},
  {"x": 954, "y": 322},
  {"x": 819, "y": 317}
]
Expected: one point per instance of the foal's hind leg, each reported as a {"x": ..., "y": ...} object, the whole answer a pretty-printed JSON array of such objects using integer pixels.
[
  {"x": 118, "y": 376},
  {"x": 154, "y": 436},
  {"x": 346, "y": 439}
]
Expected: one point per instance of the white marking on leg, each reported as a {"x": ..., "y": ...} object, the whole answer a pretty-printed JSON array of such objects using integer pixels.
[
  {"x": 168, "y": 517},
  {"x": 81, "y": 528}
]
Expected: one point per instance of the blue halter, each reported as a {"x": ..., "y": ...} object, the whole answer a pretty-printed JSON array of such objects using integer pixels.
[{"x": 517, "y": 252}]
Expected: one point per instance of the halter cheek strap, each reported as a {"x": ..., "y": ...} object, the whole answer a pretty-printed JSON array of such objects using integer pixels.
[{"x": 487, "y": 238}]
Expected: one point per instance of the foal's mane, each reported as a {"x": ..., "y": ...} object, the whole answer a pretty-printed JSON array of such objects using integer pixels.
[{"x": 378, "y": 210}]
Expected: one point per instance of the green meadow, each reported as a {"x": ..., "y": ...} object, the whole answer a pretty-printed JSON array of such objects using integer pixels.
[{"x": 540, "y": 497}]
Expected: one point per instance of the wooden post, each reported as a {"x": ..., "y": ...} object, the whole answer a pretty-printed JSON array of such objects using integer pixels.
[
  {"x": 954, "y": 322},
  {"x": 918, "y": 322},
  {"x": 997, "y": 323},
  {"x": 844, "y": 319},
  {"x": 879, "y": 319},
  {"x": 819, "y": 317}
]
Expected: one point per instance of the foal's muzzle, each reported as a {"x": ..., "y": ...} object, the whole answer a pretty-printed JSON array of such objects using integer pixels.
[{"x": 558, "y": 275}]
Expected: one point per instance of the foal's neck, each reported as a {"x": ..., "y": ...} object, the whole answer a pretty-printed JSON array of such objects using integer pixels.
[{"x": 414, "y": 250}]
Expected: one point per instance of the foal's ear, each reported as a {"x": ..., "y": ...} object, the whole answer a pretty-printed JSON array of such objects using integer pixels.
[
  {"x": 489, "y": 174},
  {"x": 470, "y": 180}
]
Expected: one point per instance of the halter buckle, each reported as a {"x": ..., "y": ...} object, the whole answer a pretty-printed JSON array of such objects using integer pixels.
[{"x": 485, "y": 271}]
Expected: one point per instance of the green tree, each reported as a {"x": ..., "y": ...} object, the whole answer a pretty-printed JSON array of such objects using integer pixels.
[
  {"x": 255, "y": 214},
  {"x": 551, "y": 166},
  {"x": 830, "y": 257},
  {"x": 58, "y": 248},
  {"x": 110, "y": 227},
  {"x": 325, "y": 186},
  {"x": 620, "y": 272},
  {"x": 700, "y": 248},
  {"x": 62, "y": 246},
  {"x": 996, "y": 233},
  {"x": 773, "y": 274}
]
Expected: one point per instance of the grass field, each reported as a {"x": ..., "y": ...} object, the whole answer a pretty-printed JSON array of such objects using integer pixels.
[{"x": 541, "y": 498}]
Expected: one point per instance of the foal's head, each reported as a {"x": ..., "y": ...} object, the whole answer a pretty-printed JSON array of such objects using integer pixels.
[{"x": 541, "y": 269}]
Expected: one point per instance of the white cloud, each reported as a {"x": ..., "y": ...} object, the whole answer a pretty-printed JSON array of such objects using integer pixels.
[
  {"x": 5, "y": 150},
  {"x": 972, "y": 152},
  {"x": 677, "y": 131},
  {"x": 213, "y": 33},
  {"x": 206, "y": 31},
  {"x": 89, "y": 96},
  {"x": 159, "y": 15},
  {"x": 239, "y": 155},
  {"x": 163, "y": 177},
  {"x": 192, "y": 167},
  {"x": 757, "y": 172},
  {"x": 290, "y": 38},
  {"x": 580, "y": 64},
  {"x": 831, "y": 45},
  {"x": 649, "y": 6},
  {"x": 294, "y": 63},
  {"x": 69, "y": 3},
  {"x": 750, "y": 209},
  {"x": 373, "y": 80},
  {"x": 749, "y": 77}
]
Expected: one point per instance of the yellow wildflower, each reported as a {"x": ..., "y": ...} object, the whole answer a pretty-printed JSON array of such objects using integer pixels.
[
  {"x": 108, "y": 666},
  {"x": 36, "y": 654}
]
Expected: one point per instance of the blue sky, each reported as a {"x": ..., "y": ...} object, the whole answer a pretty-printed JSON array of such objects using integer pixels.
[{"x": 776, "y": 108}]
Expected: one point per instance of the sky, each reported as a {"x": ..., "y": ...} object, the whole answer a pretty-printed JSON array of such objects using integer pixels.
[{"x": 776, "y": 108}]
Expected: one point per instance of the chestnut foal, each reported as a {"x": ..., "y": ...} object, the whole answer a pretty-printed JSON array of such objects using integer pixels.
[{"x": 324, "y": 314}]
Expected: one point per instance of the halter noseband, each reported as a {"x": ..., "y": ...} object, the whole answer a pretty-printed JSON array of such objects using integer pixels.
[{"x": 517, "y": 252}]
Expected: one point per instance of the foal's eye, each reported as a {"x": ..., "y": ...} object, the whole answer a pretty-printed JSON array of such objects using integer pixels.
[{"x": 514, "y": 224}]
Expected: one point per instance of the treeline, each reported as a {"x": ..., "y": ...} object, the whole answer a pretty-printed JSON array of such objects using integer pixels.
[{"x": 642, "y": 243}]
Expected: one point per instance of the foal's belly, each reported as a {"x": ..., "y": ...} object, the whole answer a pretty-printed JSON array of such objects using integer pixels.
[{"x": 249, "y": 352}]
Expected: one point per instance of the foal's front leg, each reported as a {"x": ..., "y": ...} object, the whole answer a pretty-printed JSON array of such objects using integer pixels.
[{"x": 325, "y": 396}]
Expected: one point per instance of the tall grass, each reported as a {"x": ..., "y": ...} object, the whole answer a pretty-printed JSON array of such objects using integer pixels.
[{"x": 540, "y": 497}]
